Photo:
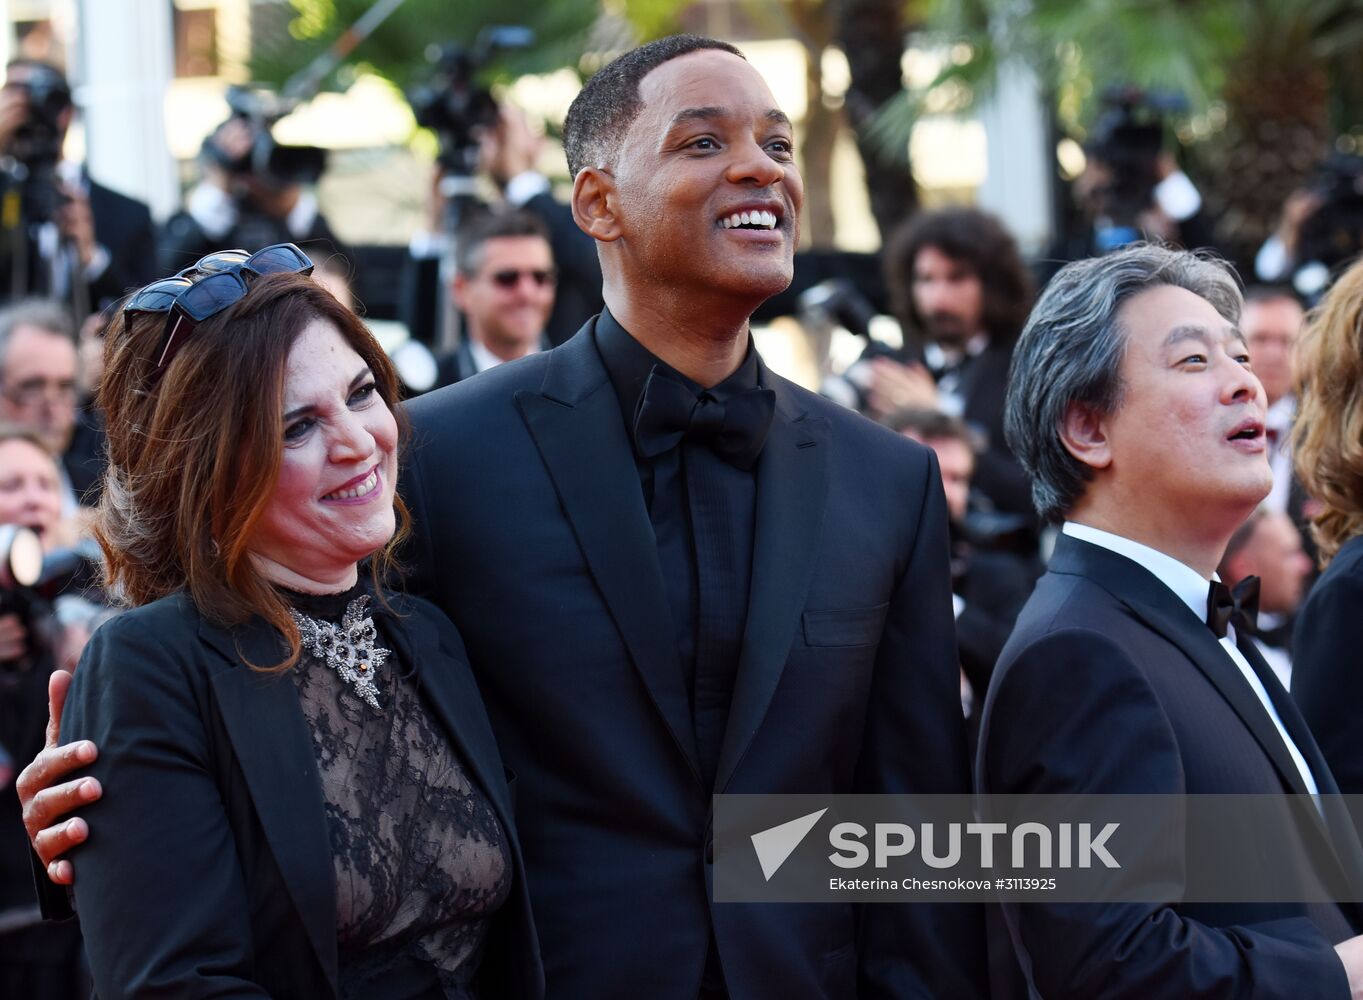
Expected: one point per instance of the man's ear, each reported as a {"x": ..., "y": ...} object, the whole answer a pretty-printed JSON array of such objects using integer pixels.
[
  {"x": 1083, "y": 432},
  {"x": 595, "y": 204},
  {"x": 459, "y": 286}
]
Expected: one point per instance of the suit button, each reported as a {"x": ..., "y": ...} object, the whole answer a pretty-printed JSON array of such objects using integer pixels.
[{"x": 710, "y": 853}]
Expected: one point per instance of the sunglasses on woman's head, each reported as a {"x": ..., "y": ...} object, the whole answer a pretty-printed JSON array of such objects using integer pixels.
[{"x": 214, "y": 282}]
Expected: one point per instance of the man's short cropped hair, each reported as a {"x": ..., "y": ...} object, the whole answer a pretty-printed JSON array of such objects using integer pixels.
[
  {"x": 976, "y": 239},
  {"x": 602, "y": 113},
  {"x": 493, "y": 225},
  {"x": 1071, "y": 352},
  {"x": 933, "y": 425},
  {"x": 45, "y": 314},
  {"x": 1258, "y": 294}
]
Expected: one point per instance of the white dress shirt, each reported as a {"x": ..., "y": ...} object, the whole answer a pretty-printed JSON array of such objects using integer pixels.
[
  {"x": 1191, "y": 587},
  {"x": 1278, "y": 421},
  {"x": 483, "y": 359}
]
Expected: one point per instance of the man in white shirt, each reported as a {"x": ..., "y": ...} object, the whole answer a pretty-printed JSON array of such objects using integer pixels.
[
  {"x": 1271, "y": 323},
  {"x": 1268, "y": 546},
  {"x": 1135, "y": 411},
  {"x": 504, "y": 287}
]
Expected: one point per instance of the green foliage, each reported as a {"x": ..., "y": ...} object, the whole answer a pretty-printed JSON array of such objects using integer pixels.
[
  {"x": 1080, "y": 48},
  {"x": 397, "y": 50}
]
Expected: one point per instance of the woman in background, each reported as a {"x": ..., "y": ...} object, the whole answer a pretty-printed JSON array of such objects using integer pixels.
[{"x": 1327, "y": 671}]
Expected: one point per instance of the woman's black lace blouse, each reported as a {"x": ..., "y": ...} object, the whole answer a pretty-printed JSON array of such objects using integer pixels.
[{"x": 421, "y": 861}]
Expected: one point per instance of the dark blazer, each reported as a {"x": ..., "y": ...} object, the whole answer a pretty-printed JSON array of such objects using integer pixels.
[
  {"x": 998, "y": 475},
  {"x": 1327, "y": 679},
  {"x": 532, "y": 533},
  {"x": 459, "y": 363},
  {"x": 1111, "y": 684},
  {"x": 125, "y": 227},
  {"x": 212, "y": 873}
]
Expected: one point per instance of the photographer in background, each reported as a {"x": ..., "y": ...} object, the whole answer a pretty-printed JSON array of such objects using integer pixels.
[
  {"x": 1131, "y": 188},
  {"x": 75, "y": 240},
  {"x": 508, "y": 154},
  {"x": 961, "y": 294},
  {"x": 989, "y": 586},
  {"x": 254, "y": 193},
  {"x": 38, "y": 633},
  {"x": 1320, "y": 229}
]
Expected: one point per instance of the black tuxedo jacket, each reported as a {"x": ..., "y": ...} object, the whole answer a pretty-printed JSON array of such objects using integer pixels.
[
  {"x": 984, "y": 387},
  {"x": 1110, "y": 684},
  {"x": 199, "y": 752},
  {"x": 532, "y": 533},
  {"x": 125, "y": 228},
  {"x": 1326, "y": 680}
]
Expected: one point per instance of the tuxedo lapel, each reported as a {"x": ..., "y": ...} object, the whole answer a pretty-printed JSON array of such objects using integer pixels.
[
  {"x": 792, "y": 488},
  {"x": 267, "y": 729},
  {"x": 576, "y": 424},
  {"x": 1342, "y": 834},
  {"x": 1160, "y": 609}
]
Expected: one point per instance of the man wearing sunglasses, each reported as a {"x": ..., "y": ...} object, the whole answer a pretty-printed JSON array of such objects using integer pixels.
[{"x": 504, "y": 287}]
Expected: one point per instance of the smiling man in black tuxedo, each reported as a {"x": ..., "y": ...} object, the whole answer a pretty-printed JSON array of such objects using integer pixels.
[
  {"x": 1133, "y": 407},
  {"x": 678, "y": 574}
]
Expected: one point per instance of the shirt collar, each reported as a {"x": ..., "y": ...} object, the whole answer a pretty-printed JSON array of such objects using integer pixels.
[
  {"x": 1188, "y": 584},
  {"x": 629, "y": 363},
  {"x": 483, "y": 359},
  {"x": 1280, "y": 414}
]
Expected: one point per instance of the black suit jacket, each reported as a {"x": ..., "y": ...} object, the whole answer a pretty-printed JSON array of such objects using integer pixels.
[
  {"x": 125, "y": 227},
  {"x": 984, "y": 387},
  {"x": 1326, "y": 680},
  {"x": 532, "y": 533},
  {"x": 212, "y": 874},
  {"x": 1110, "y": 684}
]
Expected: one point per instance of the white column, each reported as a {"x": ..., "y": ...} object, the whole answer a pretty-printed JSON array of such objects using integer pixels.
[
  {"x": 1017, "y": 186},
  {"x": 6, "y": 33},
  {"x": 125, "y": 63}
]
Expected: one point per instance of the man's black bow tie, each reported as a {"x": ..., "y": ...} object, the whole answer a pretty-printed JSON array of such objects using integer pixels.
[
  {"x": 1238, "y": 606},
  {"x": 669, "y": 413}
]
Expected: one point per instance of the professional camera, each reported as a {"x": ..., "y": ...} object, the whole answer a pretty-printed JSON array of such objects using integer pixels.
[
  {"x": 1127, "y": 140},
  {"x": 267, "y": 158},
  {"x": 30, "y": 583},
  {"x": 453, "y": 104},
  {"x": 37, "y": 143},
  {"x": 1333, "y": 233}
]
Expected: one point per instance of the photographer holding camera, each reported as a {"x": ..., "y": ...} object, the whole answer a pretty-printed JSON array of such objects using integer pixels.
[
  {"x": 61, "y": 234},
  {"x": 1132, "y": 188},
  {"x": 480, "y": 136},
  {"x": 39, "y": 631},
  {"x": 254, "y": 193}
]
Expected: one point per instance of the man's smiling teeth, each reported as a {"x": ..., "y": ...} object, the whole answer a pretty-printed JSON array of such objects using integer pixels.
[
  {"x": 370, "y": 481},
  {"x": 763, "y": 220}
]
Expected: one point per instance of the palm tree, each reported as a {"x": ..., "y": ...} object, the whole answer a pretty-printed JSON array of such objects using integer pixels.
[{"x": 1267, "y": 81}]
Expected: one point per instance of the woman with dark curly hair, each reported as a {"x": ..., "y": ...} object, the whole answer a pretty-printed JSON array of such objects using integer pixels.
[
  {"x": 302, "y": 796},
  {"x": 1327, "y": 680}
]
